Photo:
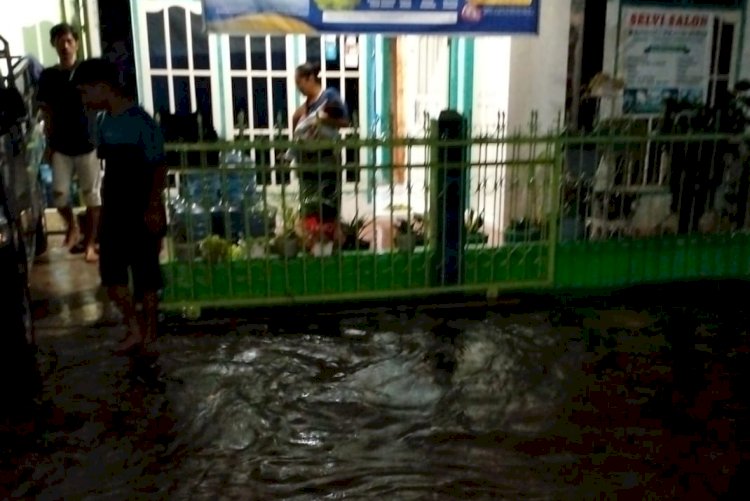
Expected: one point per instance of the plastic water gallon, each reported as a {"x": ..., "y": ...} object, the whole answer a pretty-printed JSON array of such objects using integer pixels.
[{"x": 227, "y": 216}]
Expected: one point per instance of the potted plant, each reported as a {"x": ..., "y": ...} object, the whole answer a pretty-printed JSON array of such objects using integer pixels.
[
  {"x": 419, "y": 228},
  {"x": 352, "y": 235},
  {"x": 288, "y": 243},
  {"x": 238, "y": 252},
  {"x": 255, "y": 248},
  {"x": 474, "y": 225},
  {"x": 215, "y": 249},
  {"x": 321, "y": 248},
  {"x": 319, "y": 236},
  {"x": 523, "y": 231},
  {"x": 406, "y": 236},
  {"x": 320, "y": 227}
]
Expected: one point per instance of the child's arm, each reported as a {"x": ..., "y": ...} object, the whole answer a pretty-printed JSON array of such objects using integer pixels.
[
  {"x": 298, "y": 114},
  {"x": 334, "y": 114},
  {"x": 153, "y": 145}
]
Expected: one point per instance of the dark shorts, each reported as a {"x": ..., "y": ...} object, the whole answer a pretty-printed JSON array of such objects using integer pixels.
[{"x": 129, "y": 251}]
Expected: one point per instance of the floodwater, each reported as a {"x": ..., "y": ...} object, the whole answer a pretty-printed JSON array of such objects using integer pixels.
[{"x": 634, "y": 397}]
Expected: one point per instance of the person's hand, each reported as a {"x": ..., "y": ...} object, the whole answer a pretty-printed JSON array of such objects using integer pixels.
[{"x": 156, "y": 218}]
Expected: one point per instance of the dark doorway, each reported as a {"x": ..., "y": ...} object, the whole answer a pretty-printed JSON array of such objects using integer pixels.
[
  {"x": 116, "y": 32},
  {"x": 585, "y": 61}
]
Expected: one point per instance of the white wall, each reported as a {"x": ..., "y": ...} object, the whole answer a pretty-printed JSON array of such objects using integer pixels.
[
  {"x": 517, "y": 76},
  {"x": 425, "y": 84},
  {"x": 26, "y": 26},
  {"x": 492, "y": 76},
  {"x": 425, "y": 61},
  {"x": 744, "y": 68},
  {"x": 538, "y": 69}
]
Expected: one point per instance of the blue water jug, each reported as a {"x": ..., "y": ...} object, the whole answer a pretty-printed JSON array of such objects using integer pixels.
[
  {"x": 199, "y": 223},
  {"x": 45, "y": 173},
  {"x": 226, "y": 217},
  {"x": 240, "y": 177},
  {"x": 190, "y": 222},
  {"x": 260, "y": 221}
]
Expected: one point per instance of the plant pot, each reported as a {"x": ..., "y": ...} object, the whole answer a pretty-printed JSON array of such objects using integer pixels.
[
  {"x": 288, "y": 247},
  {"x": 571, "y": 228},
  {"x": 321, "y": 249},
  {"x": 477, "y": 238},
  {"x": 513, "y": 236},
  {"x": 257, "y": 251},
  {"x": 406, "y": 242},
  {"x": 185, "y": 252},
  {"x": 353, "y": 244}
]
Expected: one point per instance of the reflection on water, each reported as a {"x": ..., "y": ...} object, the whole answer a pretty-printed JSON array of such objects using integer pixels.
[{"x": 580, "y": 403}]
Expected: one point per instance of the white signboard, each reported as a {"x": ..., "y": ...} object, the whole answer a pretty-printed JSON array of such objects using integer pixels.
[{"x": 664, "y": 54}]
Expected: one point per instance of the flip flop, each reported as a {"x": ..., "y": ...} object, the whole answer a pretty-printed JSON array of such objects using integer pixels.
[{"x": 78, "y": 248}]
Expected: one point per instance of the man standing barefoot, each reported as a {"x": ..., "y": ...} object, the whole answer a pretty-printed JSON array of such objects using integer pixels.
[
  {"x": 71, "y": 139},
  {"x": 133, "y": 212}
]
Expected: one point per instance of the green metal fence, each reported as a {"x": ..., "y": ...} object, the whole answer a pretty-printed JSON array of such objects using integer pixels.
[{"x": 277, "y": 222}]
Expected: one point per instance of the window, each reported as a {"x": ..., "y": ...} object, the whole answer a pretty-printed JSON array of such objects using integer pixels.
[
  {"x": 261, "y": 72},
  {"x": 244, "y": 85},
  {"x": 179, "y": 63},
  {"x": 723, "y": 50},
  {"x": 264, "y": 97}
]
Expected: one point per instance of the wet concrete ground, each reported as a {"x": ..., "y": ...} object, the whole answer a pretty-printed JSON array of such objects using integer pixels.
[{"x": 636, "y": 396}]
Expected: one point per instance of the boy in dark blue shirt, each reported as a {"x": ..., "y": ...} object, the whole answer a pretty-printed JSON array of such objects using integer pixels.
[{"x": 133, "y": 213}]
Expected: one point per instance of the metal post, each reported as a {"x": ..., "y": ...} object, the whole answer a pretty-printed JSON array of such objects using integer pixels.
[{"x": 448, "y": 188}]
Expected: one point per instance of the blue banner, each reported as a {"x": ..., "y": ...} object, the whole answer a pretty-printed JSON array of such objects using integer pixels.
[{"x": 458, "y": 17}]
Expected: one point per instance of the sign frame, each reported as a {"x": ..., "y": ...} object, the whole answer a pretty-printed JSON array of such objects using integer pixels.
[
  {"x": 382, "y": 17},
  {"x": 674, "y": 35}
]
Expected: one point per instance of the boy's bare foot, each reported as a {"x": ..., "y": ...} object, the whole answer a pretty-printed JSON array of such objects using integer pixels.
[
  {"x": 72, "y": 237},
  {"x": 111, "y": 316},
  {"x": 91, "y": 255},
  {"x": 130, "y": 344}
]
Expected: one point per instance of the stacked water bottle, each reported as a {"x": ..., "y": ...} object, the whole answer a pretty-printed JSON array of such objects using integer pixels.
[{"x": 223, "y": 203}]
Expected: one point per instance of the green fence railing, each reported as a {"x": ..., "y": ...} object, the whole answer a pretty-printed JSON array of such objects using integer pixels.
[{"x": 277, "y": 222}]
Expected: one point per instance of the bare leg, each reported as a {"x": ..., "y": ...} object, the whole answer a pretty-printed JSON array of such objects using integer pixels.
[
  {"x": 120, "y": 295},
  {"x": 111, "y": 314},
  {"x": 150, "y": 315},
  {"x": 71, "y": 226},
  {"x": 92, "y": 220}
]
